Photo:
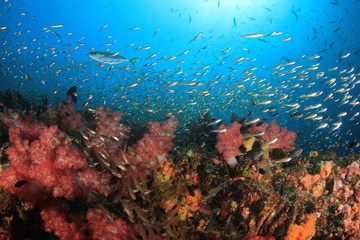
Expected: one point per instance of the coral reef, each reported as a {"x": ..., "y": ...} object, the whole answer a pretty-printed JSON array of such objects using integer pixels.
[{"x": 87, "y": 182}]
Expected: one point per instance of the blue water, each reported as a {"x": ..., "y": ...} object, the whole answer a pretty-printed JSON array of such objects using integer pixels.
[{"x": 55, "y": 59}]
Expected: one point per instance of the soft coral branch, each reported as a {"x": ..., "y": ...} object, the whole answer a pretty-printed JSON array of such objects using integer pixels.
[
  {"x": 229, "y": 142},
  {"x": 284, "y": 139},
  {"x": 50, "y": 165}
]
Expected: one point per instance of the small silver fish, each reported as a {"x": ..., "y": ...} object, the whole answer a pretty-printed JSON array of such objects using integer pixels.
[
  {"x": 255, "y": 153},
  {"x": 171, "y": 84},
  {"x": 273, "y": 34},
  {"x": 214, "y": 122},
  {"x": 345, "y": 56},
  {"x": 219, "y": 130},
  {"x": 296, "y": 115},
  {"x": 285, "y": 39},
  {"x": 196, "y": 37},
  {"x": 157, "y": 30},
  {"x": 57, "y": 26},
  {"x": 105, "y": 26},
  {"x": 342, "y": 114},
  {"x": 134, "y": 28},
  {"x": 253, "y": 35},
  {"x": 295, "y": 152},
  {"x": 273, "y": 141},
  {"x": 255, "y": 120},
  {"x": 259, "y": 134},
  {"x": 311, "y": 116},
  {"x": 322, "y": 125},
  {"x": 283, "y": 160},
  {"x": 264, "y": 102}
]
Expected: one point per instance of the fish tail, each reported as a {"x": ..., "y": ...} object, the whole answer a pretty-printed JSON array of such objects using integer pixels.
[{"x": 133, "y": 61}]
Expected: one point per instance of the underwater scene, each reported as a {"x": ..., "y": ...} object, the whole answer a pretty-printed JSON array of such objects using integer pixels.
[{"x": 191, "y": 119}]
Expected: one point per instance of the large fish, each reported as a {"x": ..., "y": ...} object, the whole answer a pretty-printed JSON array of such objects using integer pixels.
[{"x": 110, "y": 58}]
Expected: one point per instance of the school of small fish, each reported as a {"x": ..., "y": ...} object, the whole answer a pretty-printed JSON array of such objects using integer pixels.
[{"x": 147, "y": 84}]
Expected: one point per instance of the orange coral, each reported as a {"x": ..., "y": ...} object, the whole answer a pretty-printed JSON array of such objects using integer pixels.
[
  {"x": 308, "y": 180},
  {"x": 166, "y": 171},
  {"x": 190, "y": 203},
  {"x": 169, "y": 204},
  {"x": 302, "y": 232},
  {"x": 202, "y": 225},
  {"x": 313, "y": 184},
  {"x": 326, "y": 169}
]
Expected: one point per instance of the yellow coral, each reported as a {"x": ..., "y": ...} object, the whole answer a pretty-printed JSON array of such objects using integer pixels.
[
  {"x": 266, "y": 148},
  {"x": 186, "y": 206},
  {"x": 313, "y": 154},
  {"x": 202, "y": 225},
  {"x": 190, "y": 203},
  {"x": 302, "y": 232},
  {"x": 248, "y": 143},
  {"x": 184, "y": 213},
  {"x": 190, "y": 153},
  {"x": 166, "y": 172}
]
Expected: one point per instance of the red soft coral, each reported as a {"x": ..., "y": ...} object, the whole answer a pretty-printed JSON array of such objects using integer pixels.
[
  {"x": 65, "y": 116},
  {"x": 110, "y": 133},
  {"x": 55, "y": 221},
  {"x": 91, "y": 179},
  {"x": 229, "y": 142},
  {"x": 101, "y": 228},
  {"x": 285, "y": 139},
  {"x": 67, "y": 157},
  {"x": 156, "y": 144},
  {"x": 27, "y": 123},
  {"x": 49, "y": 164},
  {"x": 150, "y": 150},
  {"x": 108, "y": 124}
]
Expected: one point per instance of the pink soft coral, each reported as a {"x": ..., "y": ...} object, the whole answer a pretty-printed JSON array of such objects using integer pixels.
[
  {"x": 108, "y": 124},
  {"x": 100, "y": 224},
  {"x": 149, "y": 151},
  {"x": 285, "y": 139},
  {"x": 110, "y": 133},
  {"x": 48, "y": 164},
  {"x": 106, "y": 229},
  {"x": 55, "y": 221},
  {"x": 229, "y": 142},
  {"x": 156, "y": 144},
  {"x": 65, "y": 116}
]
